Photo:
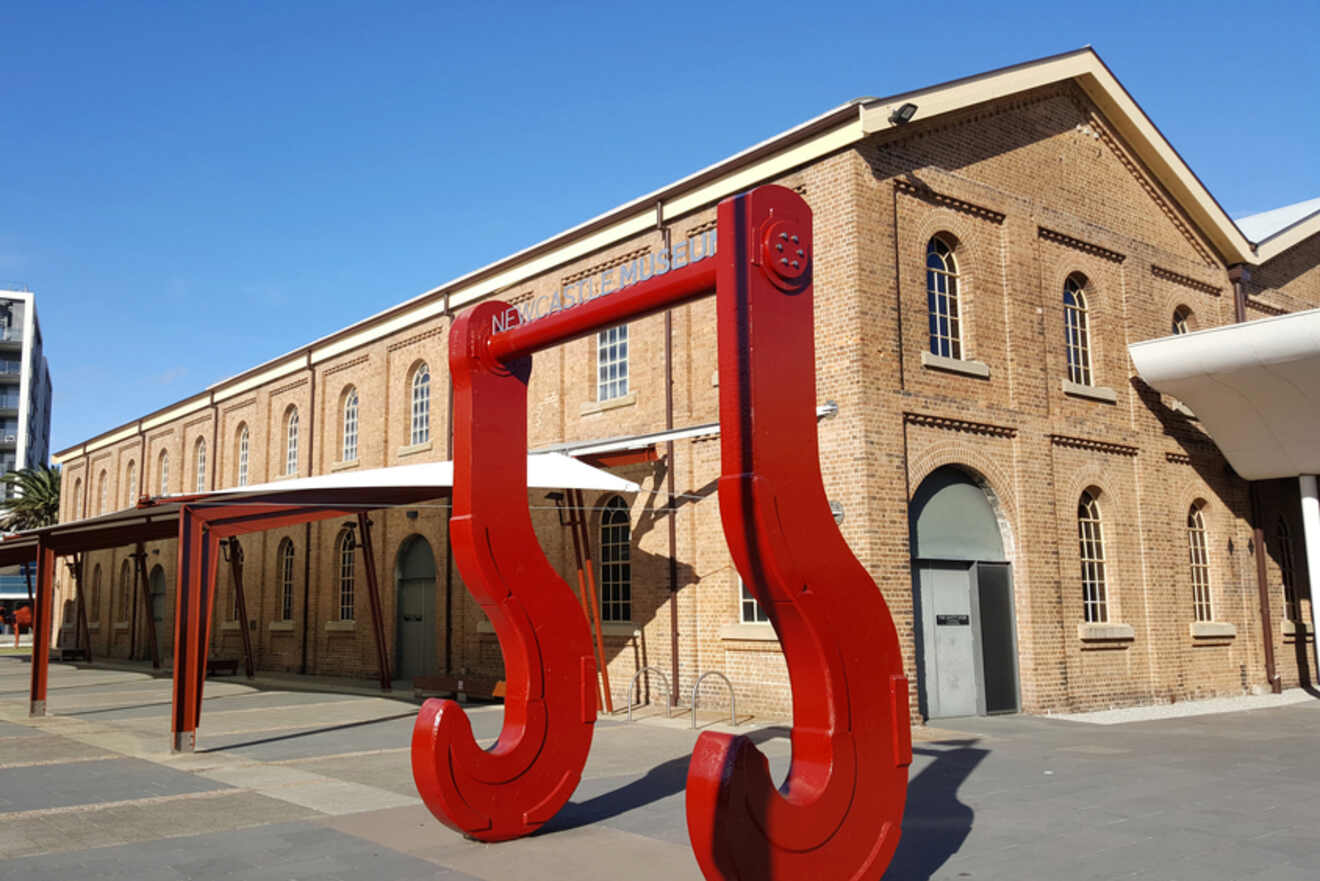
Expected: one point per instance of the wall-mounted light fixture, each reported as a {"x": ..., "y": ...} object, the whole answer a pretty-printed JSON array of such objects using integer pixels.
[
  {"x": 836, "y": 508},
  {"x": 903, "y": 114}
]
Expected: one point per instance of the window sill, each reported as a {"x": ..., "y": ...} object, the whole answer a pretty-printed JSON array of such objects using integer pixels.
[
  {"x": 1105, "y": 632},
  {"x": 1212, "y": 630},
  {"x": 120, "y": 625},
  {"x": 1093, "y": 392},
  {"x": 230, "y": 625},
  {"x": 280, "y": 626},
  {"x": 592, "y": 407},
  {"x": 747, "y": 631},
  {"x": 340, "y": 626},
  {"x": 968, "y": 367},
  {"x": 344, "y": 466},
  {"x": 94, "y": 627},
  {"x": 414, "y": 449}
]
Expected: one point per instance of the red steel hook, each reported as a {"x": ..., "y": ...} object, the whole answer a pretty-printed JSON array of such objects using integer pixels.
[
  {"x": 838, "y": 815},
  {"x": 519, "y": 783}
]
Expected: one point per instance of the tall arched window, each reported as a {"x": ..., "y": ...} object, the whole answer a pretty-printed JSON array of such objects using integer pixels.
[
  {"x": 164, "y": 473},
  {"x": 1182, "y": 317},
  {"x": 243, "y": 456},
  {"x": 1077, "y": 327},
  {"x": 1284, "y": 536},
  {"x": 102, "y": 490},
  {"x": 1091, "y": 543},
  {"x": 615, "y": 561},
  {"x": 344, "y": 546},
  {"x": 942, "y": 299},
  {"x": 350, "y": 434},
  {"x": 421, "y": 405},
  {"x": 291, "y": 443},
  {"x": 77, "y": 499},
  {"x": 284, "y": 560},
  {"x": 95, "y": 612},
  {"x": 201, "y": 465},
  {"x": 1199, "y": 562},
  {"x": 125, "y": 590},
  {"x": 131, "y": 482}
]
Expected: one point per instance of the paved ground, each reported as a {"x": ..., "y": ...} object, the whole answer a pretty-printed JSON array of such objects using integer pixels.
[{"x": 294, "y": 785}]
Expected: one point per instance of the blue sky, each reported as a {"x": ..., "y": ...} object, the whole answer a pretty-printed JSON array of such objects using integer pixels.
[{"x": 191, "y": 189}]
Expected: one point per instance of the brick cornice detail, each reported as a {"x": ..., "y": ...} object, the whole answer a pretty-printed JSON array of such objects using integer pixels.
[
  {"x": 604, "y": 265},
  {"x": 1051, "y": 235},
  {"x": 339, "y": 368},
  {"x": 1099, "y": 446},
  {"x": 239, "y": 406},
  {"x": 1178, "y": 458},
  {"x": 415, "y": 338},
  {"x": 927, "y": 193},
  {"x": 198, "y": 421},
  {"x": 964, "y": 425},
  {"x": 288, "y": 387},
  {"x": 1265, "y": 307},
  {"x": 1185, "y": 281}
]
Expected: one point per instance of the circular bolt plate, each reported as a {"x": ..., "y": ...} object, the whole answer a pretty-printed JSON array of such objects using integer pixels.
[{"x": 784, "y": 255}]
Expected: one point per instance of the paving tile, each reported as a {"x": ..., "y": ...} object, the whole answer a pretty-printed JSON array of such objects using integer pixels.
[{"x": 79, "y": 783}]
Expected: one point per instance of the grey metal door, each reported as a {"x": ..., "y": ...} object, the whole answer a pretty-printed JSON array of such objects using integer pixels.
[
  {"x": 415, "y": 632},
  {"x": 949, "y": 641}
]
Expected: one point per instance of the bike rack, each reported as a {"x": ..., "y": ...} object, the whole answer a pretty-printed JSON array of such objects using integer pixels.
[
  {"x": 669, "y": 692},
  {"x": 733, "y": 700}
]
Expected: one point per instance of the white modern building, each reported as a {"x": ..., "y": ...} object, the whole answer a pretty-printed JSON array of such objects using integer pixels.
[{"x": 24, "y": 385}]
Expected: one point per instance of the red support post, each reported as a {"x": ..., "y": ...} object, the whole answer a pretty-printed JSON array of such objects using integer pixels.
[
  {"x": 42, "y": 618},
  {"x": 187, "y": 627},
  {"x": 84, "y": 633},
  {"x": 373, "y": 596},
  {"x": 140, "y": 577},
  {"x": 240, "y": 601}
]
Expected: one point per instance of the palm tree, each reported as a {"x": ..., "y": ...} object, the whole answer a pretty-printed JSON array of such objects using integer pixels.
[{"x": 34, "y": 498}]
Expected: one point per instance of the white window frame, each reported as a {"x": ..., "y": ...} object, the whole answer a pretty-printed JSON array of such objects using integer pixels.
[
  {"x": 612, "y": 363},
  {"x": 131, "y": 481},
  {"x": 944, "y": 315},
  {"x": 750, "y": 610},
  {"x": 420, "y": 431},
  {"x": 200, "y": 462},
  {"x": 285, "y": 558},
  {"x": 1198, "y": 561},
  {"x": 1091, "y": 549},
  {"x": 346, "y": 570},
  {"x": 349, "y": 448},
  {"x": 291, "y": 444},
  {"x": 1077, "y": 331},
  {"x": 615, "y": 560},
  {"x": 243, "y": 457},
  {"x": 165, "y": 473}
]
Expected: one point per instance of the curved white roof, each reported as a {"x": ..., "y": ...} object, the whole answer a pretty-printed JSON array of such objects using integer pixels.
[
  {"x": 1268, "y": 224},
  {"x": 1255, "y": 387}
]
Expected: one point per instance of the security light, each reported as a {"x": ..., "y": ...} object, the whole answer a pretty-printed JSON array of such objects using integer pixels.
[{"x": 903, "y": 114}]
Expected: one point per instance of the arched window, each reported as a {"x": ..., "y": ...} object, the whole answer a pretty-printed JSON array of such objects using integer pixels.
[
  {"x": 164, "y": 473},
  {"x": 1077, "y": 328},
  {"x": 1199, "y": 562},
  {"x": 77, "y": 499},
  {"x": 421, "y": 405},
  {"x": 350, "y": 451},
  {"x": 1284, "y": 536},
  {"x": 201, "y": 465},
  {"x": 1182, "y": 317},
  {"x": 615, "y": 561},
  {"x": 131, "y": 482},
  {"x": 942, "y": 299},
  {"x": 284, "y": 559},
  {"x": 125, "y": 590},
  {"x": 612, "y": 363},
  {"x": 1091, "y": 542},
  {"x": 291, "y": 443},
  {"x": 243, "y": 456},
  {"x": 95, "y": 604},
  {"x": 344, "y": 546},
  {"x": 102, "y": 499}
]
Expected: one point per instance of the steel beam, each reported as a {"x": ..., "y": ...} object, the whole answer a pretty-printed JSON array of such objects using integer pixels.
[
  {"x": 42, "y": 618},
  {"x": 373, "y": 596},
  {"x": 140, "y": 576},
  {"x": 240, "y": 600}
]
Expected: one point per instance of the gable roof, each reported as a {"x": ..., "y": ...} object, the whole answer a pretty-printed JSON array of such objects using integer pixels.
[
  {"x": 1267, "y": 224},
  {"x": 837, "y": 129}
]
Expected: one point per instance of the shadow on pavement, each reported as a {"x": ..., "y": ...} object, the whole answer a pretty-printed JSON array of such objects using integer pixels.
[
  {"x": 306, "y": 733},
  {"x": 935, "y": 823}
]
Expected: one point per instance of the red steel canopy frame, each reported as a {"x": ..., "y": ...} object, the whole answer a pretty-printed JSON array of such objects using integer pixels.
[{"x": 839, "y": 813}]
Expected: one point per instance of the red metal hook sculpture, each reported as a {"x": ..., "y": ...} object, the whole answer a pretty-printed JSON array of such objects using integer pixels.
[
  {"x": 839, "y": 813},
  {"x": 519, "y": 783}
]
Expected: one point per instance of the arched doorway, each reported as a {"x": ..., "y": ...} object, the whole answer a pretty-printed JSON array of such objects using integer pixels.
[
  {"x": 156, "y": 591},
  {"x": 414, "y": 572},
  {"x": 963, "y": 584}
]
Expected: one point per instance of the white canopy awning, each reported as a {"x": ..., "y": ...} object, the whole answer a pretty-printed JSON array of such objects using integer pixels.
[
  {"x": 544, "y": 471},
  {"x": 1255, "y": 387}
]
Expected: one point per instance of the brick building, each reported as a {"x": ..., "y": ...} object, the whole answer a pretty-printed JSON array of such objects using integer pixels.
[{"x": 1050, "y": 534}]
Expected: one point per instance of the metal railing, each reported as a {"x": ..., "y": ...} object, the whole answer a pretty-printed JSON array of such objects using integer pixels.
[
  {"x": 669, "y": 692},
  {"x": 11, "y": 334},
  {"x": 11, "y": 368},
  {"x": 733, "y": 700}
]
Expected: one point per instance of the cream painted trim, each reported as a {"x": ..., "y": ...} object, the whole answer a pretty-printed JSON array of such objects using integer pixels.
[
  {"x": 967, "y": 367},
  {"x": 284, "y": 368},
  {"x": 1212, "y": 630},
  {"x": 280, "y": 626},
  {"x": 620, "y": 628},
  {"x": 1095, "y": 392},
  {"x": 340, "y": 626},
  {"x": 590, "y": 408},
  {"x": 345, "y": 466},
  {"x": 234, "y": 626},
  {"x": 94, "y": 625},
  {"x": 749, "y": 631},
  {"x": 1112, "y": 632},
  {"x": 413, "y": 449},
  {"x": 120, "y": 625}
]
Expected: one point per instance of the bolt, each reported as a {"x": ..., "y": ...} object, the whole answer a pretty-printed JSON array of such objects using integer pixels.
[
  {"x": 783, "y": 260},
  {"x": 795, "y": 264},
  {"x": 784, "y": 236},
  {"x": 800, "y": 254},
  {"x": 795, "y": 240},
  {"x": 779, "y": 247}
]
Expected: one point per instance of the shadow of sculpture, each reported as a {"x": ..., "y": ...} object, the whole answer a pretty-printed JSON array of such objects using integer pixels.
[{"x": 935, "y": 823}]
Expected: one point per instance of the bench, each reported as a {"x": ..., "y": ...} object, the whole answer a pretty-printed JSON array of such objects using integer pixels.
[{"x": 462, "y": 687}]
